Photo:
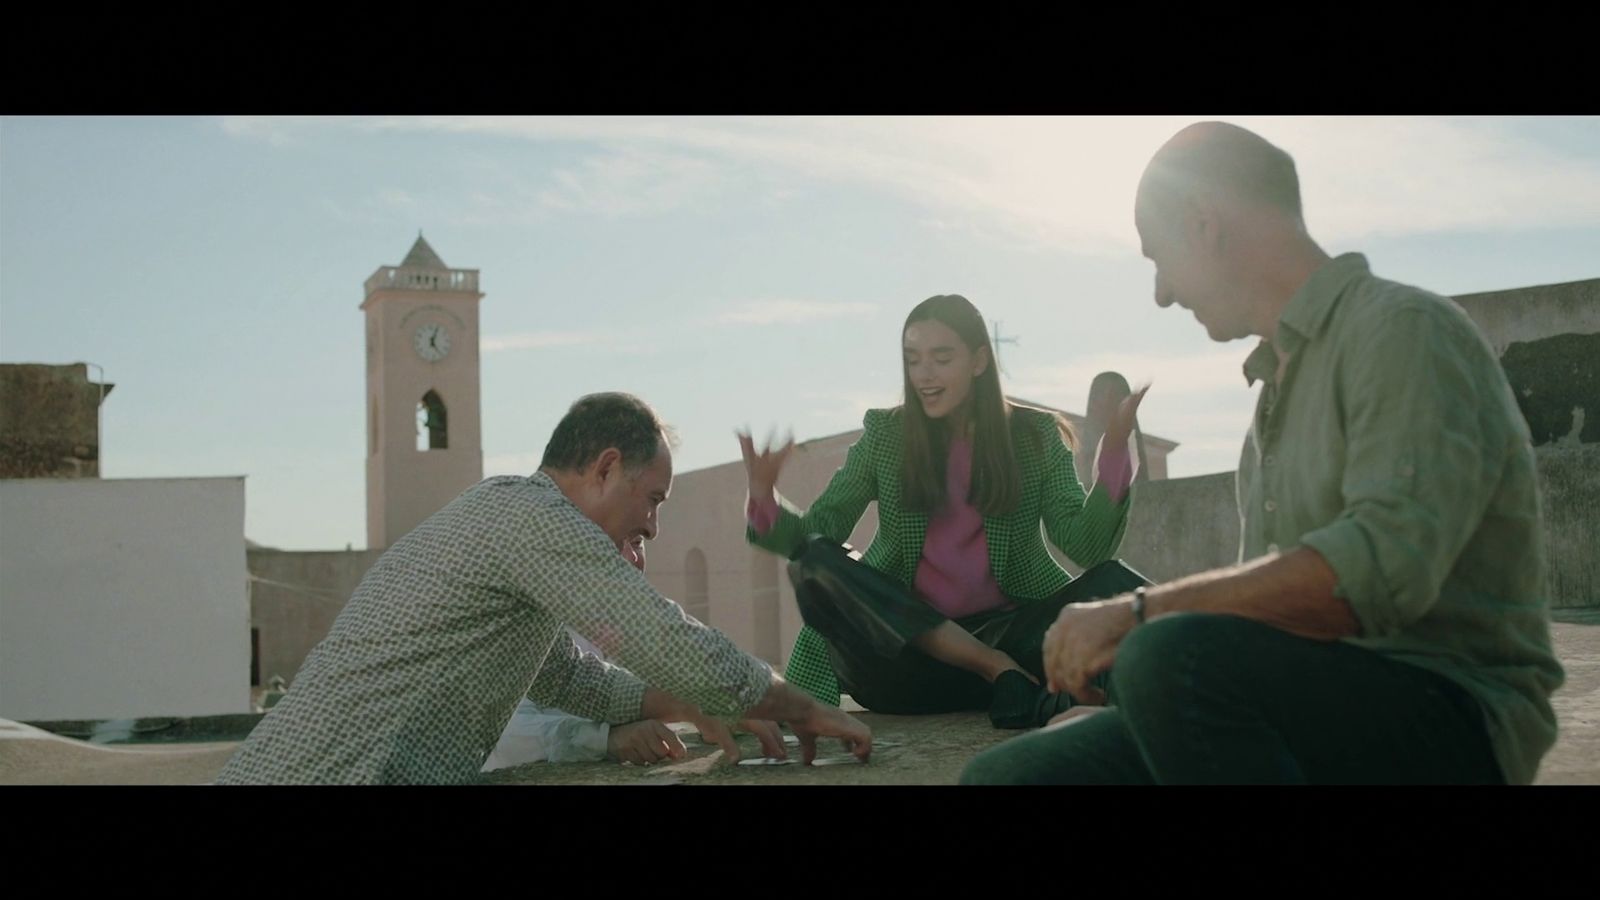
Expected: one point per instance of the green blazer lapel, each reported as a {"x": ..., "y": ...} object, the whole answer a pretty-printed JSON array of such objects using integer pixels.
[
  {"x": 914, "y": 534},
  {"x": 997, "y": 534}
]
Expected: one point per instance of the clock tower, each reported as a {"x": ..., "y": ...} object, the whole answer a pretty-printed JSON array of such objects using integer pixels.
[{"x": 424, "y": 438}]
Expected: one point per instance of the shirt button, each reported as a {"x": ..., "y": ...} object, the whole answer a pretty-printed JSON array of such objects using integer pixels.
[
  {"x": 1270, "y": 506},
  {"x": 1407, "y": 471},
  {"x": 1272, "y": 548},
  {"x": 1269, "y": 460}
]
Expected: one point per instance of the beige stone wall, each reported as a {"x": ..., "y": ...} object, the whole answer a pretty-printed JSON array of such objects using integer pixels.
[
  {"x": 294, "y": 598},
  {"x": 49, "y": 421},
  {"x": 1521, "y": 315},
  {"x": 1569, "y": 484}
]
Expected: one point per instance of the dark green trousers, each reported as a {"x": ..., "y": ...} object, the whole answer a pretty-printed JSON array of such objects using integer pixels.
[{"x": 1212, "y": 699}]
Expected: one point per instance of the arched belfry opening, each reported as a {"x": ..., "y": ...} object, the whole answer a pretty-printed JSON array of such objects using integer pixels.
[{"x": 433, "y": 429}]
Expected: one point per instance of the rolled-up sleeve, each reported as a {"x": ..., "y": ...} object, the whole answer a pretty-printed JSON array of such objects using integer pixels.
[
  {"x": 1421, "y": 463},
  {"x": 587, "y": 686},
  {"x": 577, "y": 575}
]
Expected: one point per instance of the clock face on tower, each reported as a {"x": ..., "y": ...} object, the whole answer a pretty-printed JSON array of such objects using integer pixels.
[{"x": 432, "y": 342}]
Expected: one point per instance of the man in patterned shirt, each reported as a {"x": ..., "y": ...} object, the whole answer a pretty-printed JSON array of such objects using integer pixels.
[{"x": 468, "y": 612}]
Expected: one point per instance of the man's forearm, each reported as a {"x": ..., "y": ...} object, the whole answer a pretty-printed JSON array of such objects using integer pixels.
[
  {"x": 1291, "y": 591},
  {"x": 782, "y": 703},
  {"x": 664, "y": 707},
  {"x": 778, "y": 698}
]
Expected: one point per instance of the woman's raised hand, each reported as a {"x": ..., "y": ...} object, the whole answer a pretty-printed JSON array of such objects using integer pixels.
[
  {"x": 762, "y": 467},
  {"x": 1122, "y": 421}
]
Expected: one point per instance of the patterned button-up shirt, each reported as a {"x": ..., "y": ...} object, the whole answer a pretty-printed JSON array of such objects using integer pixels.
[
  {"x": 1394, "y": 448},
  {"x": 462, "y": 617}
]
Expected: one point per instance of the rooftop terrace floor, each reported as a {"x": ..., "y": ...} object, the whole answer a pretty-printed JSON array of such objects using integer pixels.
[{"x": 917, "y": 750}]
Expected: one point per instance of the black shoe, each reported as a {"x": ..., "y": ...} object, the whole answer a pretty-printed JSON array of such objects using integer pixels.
[
  {"x": 1052, "y": 705},
  {"x": 1016, "y": 701},
  {"x": 1019, "y": 703}
]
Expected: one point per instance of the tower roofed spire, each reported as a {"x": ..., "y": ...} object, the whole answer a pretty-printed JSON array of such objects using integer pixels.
[
  {"x": 422, "y": 256},
  {"x": 422, "y": 270}
]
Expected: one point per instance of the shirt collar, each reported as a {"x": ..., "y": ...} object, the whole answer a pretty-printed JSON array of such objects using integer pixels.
[
  {"x": 1307, "y": 312},
  {"x": 1261, "y": 364}
]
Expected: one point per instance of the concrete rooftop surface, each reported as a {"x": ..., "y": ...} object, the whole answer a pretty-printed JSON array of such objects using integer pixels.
[{"x": 911, "y": 749}]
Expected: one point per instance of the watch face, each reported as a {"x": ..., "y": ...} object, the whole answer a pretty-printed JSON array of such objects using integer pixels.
[{"x": 432, "y": 342}]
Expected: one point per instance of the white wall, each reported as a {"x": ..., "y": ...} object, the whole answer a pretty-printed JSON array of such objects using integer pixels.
[{"x": 123, "y": 598}]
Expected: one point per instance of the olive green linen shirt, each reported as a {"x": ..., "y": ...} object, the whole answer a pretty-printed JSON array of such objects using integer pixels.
[{"x": 1394, "y": 448}]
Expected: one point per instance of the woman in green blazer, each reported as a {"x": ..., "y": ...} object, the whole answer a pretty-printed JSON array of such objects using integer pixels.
[{"x": 958, "y": 569}]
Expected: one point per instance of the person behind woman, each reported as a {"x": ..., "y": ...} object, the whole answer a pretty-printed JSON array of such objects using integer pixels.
[
  {"x": 544, "y": 733},
  {"x": 948, "y": 607}
]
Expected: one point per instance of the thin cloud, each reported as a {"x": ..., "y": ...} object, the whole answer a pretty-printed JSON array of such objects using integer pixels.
[
  {"x": 624, "y": 179},
  {"x": 535, "y": 340},
  {"x": 791, "y": 312},
  {"x": 850, "y": 406},
  {"x": 1395, "y": 176},
  {"x": 385, "y": 206},
  {"x": 1172, "y": 375},
  {"x": 1067, "y": 183},
  {"x": 280, "y": 131},
  {"x": 632, "y": 183},
  {"x": 396, "y": 198}
]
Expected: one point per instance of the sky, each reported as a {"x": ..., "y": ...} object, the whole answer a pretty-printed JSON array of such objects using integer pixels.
[{"x": 733, "y": 272}]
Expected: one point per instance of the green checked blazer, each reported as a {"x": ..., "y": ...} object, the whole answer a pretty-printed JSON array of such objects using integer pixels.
[{"x": 1088, "y": 529}]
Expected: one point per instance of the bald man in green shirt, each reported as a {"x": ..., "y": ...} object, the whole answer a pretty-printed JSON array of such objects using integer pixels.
[{"x": 1388, "y": 622}]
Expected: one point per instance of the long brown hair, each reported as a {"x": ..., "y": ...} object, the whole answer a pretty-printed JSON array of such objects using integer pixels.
[{"x": 996, "y": 484}]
